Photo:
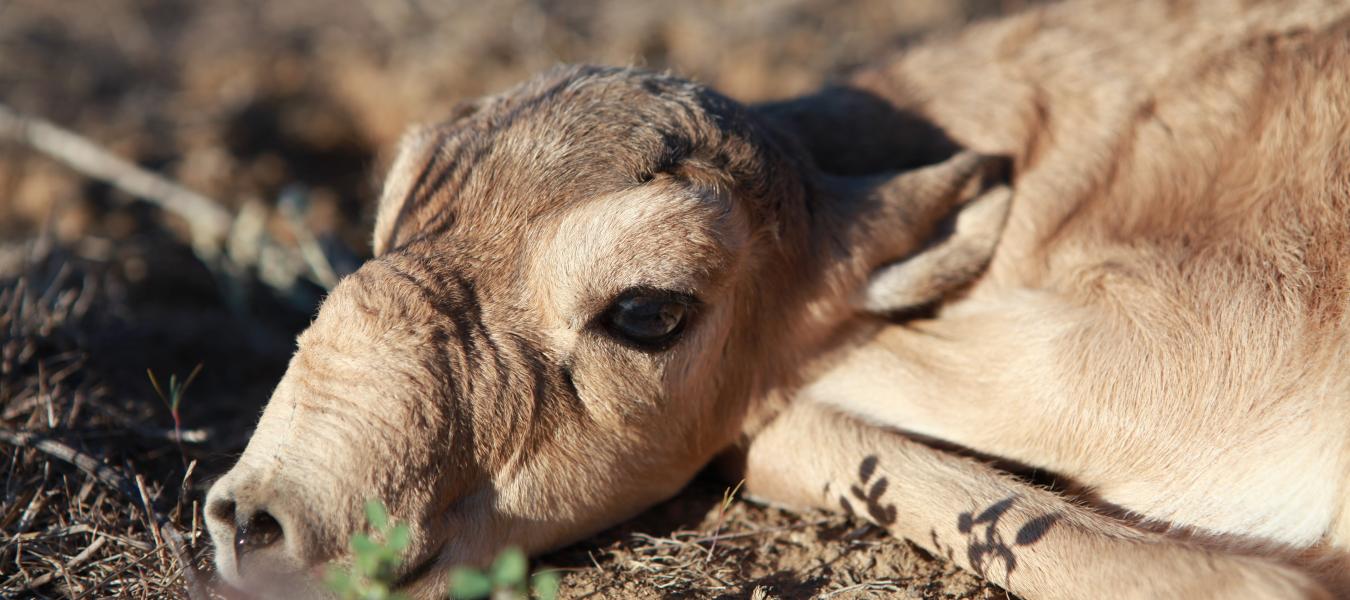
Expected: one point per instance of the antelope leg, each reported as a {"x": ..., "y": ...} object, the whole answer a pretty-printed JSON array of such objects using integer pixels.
[{"x": 1028, "y": 540}]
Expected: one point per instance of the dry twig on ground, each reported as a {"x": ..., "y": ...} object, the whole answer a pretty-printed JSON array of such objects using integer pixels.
[
  {"x": 212, "y": 227},
  {"x": 207, "y": 219},
  {"x": 64, "y": 453},
  {"x": 165, "y": 533}
]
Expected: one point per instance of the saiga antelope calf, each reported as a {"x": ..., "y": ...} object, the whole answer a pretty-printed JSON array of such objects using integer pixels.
[{"x": 589, "y": 286}]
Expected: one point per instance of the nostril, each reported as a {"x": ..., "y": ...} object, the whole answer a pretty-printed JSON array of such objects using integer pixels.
[
  {"x": 259, "y": 531},
  {"x": 220, "y": 510}
]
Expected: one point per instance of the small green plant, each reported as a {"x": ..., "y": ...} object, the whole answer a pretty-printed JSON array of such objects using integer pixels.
[
  {"x": 376, "y": 559},
  {"x": 174, "y": 399},
  {"x": 507, "y": 579}
]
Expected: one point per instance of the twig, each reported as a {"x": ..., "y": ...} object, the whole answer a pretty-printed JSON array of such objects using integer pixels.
[
  {"x": 69, "y": 530},
  {"x": 84, "y": 462},
  {"x": 208, "y": 222},
  {"x": 34, "y": 506},
  {"x": 196, "y": 589},
  {"x": 63, "y": 569},
  {"x": 320, "y": 267},
  {"x": 190, "y": 436},
  {"x": 105, "y": 474},
  {"x": 888, "y": 585},
  {"x": 120, "y": 570},
  {"x": 699, "y": 541},
  {"x": 210, "y": 225},
  {"x": 150, "y": 512}
]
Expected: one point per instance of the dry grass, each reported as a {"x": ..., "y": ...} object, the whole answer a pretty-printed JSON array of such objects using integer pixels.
[
  {"x": 101, "y": 494},
  {"x": 279, "y": 112},
  {"x": 688, "y": 548},
  {"x": 88, "y": 531}
]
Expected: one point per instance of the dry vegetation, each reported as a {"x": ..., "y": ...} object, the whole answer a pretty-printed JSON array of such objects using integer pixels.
[{"x": 278, "y": 111}]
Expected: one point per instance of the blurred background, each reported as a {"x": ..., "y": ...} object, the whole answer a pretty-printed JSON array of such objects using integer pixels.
[{"x": 268, "y": 123}]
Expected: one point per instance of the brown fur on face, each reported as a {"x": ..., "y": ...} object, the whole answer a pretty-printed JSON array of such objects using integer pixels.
[{"x": 466, "y": 376}]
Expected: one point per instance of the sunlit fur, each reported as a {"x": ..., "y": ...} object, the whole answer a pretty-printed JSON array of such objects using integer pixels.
[
  {"x": 460, "y": 376},
  {"x": 1165, "y": 321},
  {"x": 1160, "y": 325}
]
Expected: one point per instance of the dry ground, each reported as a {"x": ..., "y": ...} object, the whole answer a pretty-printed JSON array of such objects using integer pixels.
[{"x": 282, "y": 111}]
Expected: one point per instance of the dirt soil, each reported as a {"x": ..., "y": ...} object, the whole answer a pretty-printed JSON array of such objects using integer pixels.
[{"x": 286, "y": 112}]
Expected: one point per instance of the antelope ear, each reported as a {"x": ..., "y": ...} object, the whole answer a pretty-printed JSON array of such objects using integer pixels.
[
  {"x": 962, "y": 205},
  {"x": 415, "y": 150}
]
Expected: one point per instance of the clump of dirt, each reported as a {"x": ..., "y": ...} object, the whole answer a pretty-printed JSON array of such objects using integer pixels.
[{"x": 247, "y": 102}]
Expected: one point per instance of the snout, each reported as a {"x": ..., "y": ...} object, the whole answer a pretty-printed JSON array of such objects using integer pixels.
[
  {"x": 255, "y": 535},
  {"x": 263, "y": 539}
]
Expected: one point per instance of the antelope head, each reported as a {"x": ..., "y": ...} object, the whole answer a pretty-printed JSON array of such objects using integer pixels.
[{"x": 583, "y": 289}]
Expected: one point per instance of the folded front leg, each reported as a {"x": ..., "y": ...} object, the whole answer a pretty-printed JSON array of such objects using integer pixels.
[{"x": 1028, "y": 540}]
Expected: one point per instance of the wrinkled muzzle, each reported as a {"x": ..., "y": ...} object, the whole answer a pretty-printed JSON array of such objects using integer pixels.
[
  {"x": 475, "y": 440},
  {"x": 291, "y": 504},
  {"x": 372, "y": 407}
]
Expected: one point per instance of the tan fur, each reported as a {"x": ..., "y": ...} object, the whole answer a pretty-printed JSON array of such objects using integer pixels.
[
  {"x": 1164, "y": 323},
  {"x": 1160, "y": 321},
  {"x": 1022, "y": 537},
  {"x": 462, "y": 376}
]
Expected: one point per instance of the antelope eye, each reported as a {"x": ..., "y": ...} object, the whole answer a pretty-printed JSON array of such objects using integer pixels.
[{"x": 648, "y": 319}]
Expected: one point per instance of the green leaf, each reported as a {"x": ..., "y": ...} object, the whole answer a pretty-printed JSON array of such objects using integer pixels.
[
  {"x": 511, "y": 568},
  {"x": 366, "y": 555},
  {"x": 155, "y": 383},
  {"x": 545, "y": 585},
  {"x": 376, "y": 515},
  {"x": 468, "y": 584},
  {"x": 339, "y": 581},
  {"x": 368, "y": 566},
  {"x": 362, "y": 544},
  {"x": 399, "y": 538}
]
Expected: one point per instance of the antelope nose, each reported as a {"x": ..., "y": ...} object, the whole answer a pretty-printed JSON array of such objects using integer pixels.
[
  {"x": 258, "y": 531},
  {"x": 253, "y": 530},
  {"x": 251, "y": 536}
]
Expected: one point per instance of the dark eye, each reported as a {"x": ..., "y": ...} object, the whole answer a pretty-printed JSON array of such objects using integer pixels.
[{"x": 648, "y": 319}]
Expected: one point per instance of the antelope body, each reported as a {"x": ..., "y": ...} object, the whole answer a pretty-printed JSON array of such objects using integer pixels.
[{"x": 589, "y": 286}]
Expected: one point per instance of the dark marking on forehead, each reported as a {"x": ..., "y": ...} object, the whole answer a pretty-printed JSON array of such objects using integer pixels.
[
  {"x": 487, "y": 369},
  {"x": 458, "y": 151},
  {"x": 572, "y": 134},
  {"x": 453, "y": 297},
  {"x": 433, "y": 180},
  {"x": 442, "y": 165}
]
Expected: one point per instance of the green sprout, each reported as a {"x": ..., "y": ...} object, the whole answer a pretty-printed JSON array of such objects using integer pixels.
[
  {"x": 377, "y": 557},
  {"x": 174, "y": 399},
  {"x": 507, "y": 579},
  {"x": 374, "y": 561}
]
